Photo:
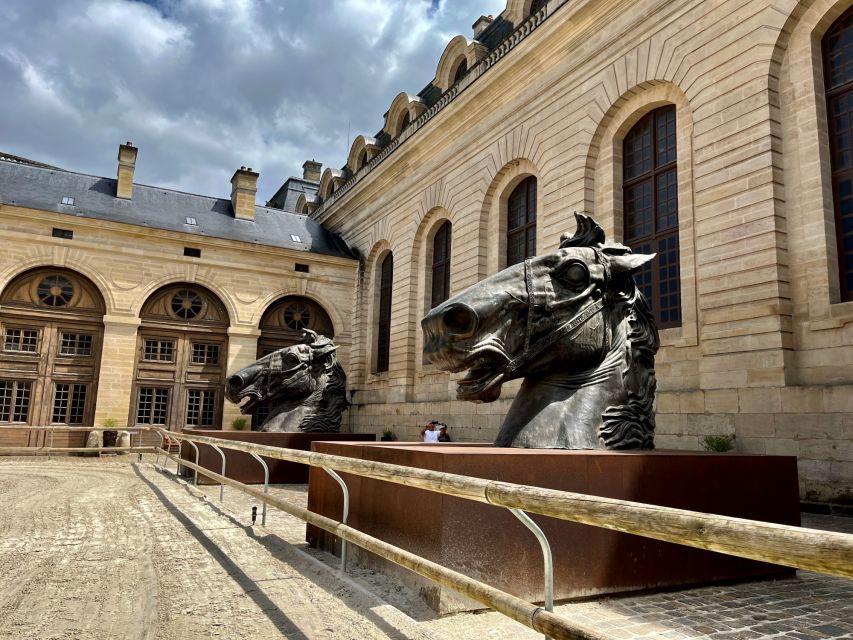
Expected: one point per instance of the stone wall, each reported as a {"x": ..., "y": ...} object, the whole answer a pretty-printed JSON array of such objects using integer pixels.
[{"x": 765, "y": 350}]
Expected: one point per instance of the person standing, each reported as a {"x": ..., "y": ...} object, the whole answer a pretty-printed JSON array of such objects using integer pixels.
[{"x": 430, "y": 432}]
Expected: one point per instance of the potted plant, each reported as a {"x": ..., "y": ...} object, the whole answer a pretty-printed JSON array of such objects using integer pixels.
[
  {"x": 388, "y": 436},
  {"x": 240, "y": 424},
  {"x": 110, "y": 437},
  {"x": 720, "y": 444}
]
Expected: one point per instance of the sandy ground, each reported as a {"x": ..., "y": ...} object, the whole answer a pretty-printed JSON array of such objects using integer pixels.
[{"x": 107, "y": 549}]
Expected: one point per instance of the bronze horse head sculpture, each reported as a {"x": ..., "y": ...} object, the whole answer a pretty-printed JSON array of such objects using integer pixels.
[
  {"x": 573, "y": 324},
  {"x": 303, "y": 383}
]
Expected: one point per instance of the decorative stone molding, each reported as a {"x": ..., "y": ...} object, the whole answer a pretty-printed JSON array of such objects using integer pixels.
[
  {"x": 404, "y": 103},
  {"x": 360, "y": 146},
  {"x": 330, "y": 182},
  {"x": 497, "y": 54}
]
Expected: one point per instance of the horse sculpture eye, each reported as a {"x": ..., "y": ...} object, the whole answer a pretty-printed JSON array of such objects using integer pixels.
[{"x": 575, "y": 275}]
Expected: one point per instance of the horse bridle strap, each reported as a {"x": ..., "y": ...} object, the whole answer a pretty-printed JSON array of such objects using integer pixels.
[{"x": 564, "y": 330}]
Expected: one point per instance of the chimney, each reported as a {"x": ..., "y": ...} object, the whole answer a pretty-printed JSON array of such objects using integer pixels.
[
  {"x": 244, "y": 188},
  {"x": 311, "y": 170},
  {"x": 480, "y": 25},
  {"x": 126, "y": 166}
]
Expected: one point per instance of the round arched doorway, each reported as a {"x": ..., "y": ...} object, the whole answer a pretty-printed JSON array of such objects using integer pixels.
[
  {"x": 52, "y": 331},
  {"x": 181, "y": 356},
  {"x": 282, "y": 325}
]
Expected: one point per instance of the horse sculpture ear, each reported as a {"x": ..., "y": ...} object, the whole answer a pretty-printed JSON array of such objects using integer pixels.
[{"x": 629, "y": 262}]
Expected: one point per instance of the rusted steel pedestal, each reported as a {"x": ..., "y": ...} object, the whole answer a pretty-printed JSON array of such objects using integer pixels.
[
  {"x": 242, "y": 467},
  {"x": 491, "y": 545}
]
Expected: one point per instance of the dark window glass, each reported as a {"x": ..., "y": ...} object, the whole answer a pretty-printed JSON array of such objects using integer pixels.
[
  {"x": 302, "y": 268},
  {"x": 383, "y": 343},
  {"x": 152, "y": 406},
  {"x": 650, "y": 198},
  {"x": 362, "y": 159},
  {"x": 14, "y": 401},
  {"x": 205, "y": 353},
  {"x": 158, "y": 351},
  {"x": 69, "y": 403},
  {"x": 55, "y": 291},
  {"x": 192, "y": 252},
  {"x": 21, "y": 340},
  {"x": 838, "y": 69},
  {"x": 75, "y": 344},
  {"x": 521, "y": 222},
  {"x": 404, "y": 122},
  {"x": 66, "y": 234},
  {"x": 186, "y": 304},
  {"x": 441, "y": 265},
  {"x": 201, "y": 408},
  {"x": 460, "y": 72}
]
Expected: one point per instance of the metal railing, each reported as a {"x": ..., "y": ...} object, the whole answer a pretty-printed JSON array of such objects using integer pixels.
[
  {"x": 821, "y": 551},
  {"x": 50, "y": 449}
]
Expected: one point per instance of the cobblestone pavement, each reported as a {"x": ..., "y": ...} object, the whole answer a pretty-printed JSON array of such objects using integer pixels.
[{"x": 809, "y": 606}]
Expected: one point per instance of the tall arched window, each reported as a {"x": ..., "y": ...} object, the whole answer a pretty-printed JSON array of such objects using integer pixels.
[
  {"x": 383, "y": 325},
  {"x": 441, "y": 265},
  {"x": 838, "y": 70},
  {"x": 650, "y": 197},
  {"x": 521, "y": 222}
]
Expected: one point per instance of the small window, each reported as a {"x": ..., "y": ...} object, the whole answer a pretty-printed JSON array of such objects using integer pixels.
[
  {"x": 191, "y": 221},
  {"x": 191, "y": 252},
  {"x": 14, "y": 400},
  {"x": 21, "y": 340},
  {"x": 152, "y": 406},
  {"x": 75, "y": 344},
  {"x": 69, "y": 403},
  {"x": 158, "y": 351},
  {"x": 67, "y": 200},
  {"x": 205, "y": 353},
  {"x": 201, "y": 408},
  {"x": 295, "y": 237},
  {"x": 301, "y": 268},
  {"x": 55, "y": 291},
  {"x": 66, "y": 234}
]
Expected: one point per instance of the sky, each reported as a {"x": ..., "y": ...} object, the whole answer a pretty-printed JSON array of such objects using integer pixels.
[{"x": 205, "y": 86}]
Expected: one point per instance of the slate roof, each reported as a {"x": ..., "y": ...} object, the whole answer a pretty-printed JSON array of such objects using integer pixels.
[
  {"x": 94, "y": 197},
  {"x": 288, "y": 194}
]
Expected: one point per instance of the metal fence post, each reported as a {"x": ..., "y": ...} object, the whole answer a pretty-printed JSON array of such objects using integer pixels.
[
  {"x": 546, "y": 554},
  {"x": 221, "y": 484},
  {"x": 195, "y": 471},
  {"x": 345, "y": 489},
  {"x": 266, "y": 485}
]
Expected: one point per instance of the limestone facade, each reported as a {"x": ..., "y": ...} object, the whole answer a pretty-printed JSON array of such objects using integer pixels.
[{"x": 765, "y": 346}]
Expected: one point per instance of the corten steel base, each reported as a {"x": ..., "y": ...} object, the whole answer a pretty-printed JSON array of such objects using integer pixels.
[
  {"x": 244, "y": 468},
  {"x": 490, "y": 544}
]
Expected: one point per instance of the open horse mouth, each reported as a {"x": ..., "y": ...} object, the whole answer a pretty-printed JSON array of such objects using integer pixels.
[{"x": 484, "y": 378}]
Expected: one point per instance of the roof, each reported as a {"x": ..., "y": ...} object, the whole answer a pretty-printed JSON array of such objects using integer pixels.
[
  {"x": 94, "y": 197},
  {"x": 288, "y": 193},
  {"x": 9, "y": 157}
]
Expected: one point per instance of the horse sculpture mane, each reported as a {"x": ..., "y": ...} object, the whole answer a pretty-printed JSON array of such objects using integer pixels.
[
  {"x": 303, "y": 384},
  {"x": 573, "y": 324}
]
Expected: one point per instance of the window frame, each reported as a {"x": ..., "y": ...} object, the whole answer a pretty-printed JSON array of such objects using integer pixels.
[
  {"x": 654, "y": 238},
  {"x": 384, "y": 298},
  {"x": 445, "y": 228},
  {"x": 527, "y": 230}
]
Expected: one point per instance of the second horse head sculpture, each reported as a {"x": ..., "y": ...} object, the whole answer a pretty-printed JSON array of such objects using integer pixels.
[
  {"x": 303, "y": 384},
  {"x": 573, "y": 324}
]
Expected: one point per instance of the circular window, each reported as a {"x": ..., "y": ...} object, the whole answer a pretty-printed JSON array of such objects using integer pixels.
[
  {"x": 55, "y": 291},
  {"x": 186, "y": 304},
  {"x": 297, "y": 316}
]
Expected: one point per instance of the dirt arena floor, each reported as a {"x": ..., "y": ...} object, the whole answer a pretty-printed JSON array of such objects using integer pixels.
[{"x": 96, "y": 549}]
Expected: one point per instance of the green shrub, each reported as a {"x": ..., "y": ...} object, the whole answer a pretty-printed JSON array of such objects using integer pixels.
[
  {"x": 720, "y": 444},
  {"x": 240, "y": 424}
]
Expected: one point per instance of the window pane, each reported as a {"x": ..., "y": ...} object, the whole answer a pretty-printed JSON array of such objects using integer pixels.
[
  {"x": 384, "y": 325},
  {"x": 21, "y": 340},
  {"x": 637, "y": 151},
  {"x": 152, "y": 406},
  {"x": 14, "y": 400},
  {"x": 839, "y": 44},
  {"x": 158, "y": 351},
  {"x": 667, "y": 201},
  {"x": 75, "y": 344},
  {"x": 205, "y": 353},
  {"x": 638, "y": 210}
]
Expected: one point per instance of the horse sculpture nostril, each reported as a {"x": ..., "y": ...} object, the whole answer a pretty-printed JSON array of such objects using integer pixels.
[
  {"x": 460, "y": 320},
  {"x": 235, "y": 381}
]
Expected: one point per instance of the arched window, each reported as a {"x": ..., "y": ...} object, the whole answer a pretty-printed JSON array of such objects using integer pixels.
[
  {"x": 650, "y": 197},
  {"x": 383, "y": 324},
  {"x": 441, "y": 265},
  {"x": 521, "y": 222},
  {"x": 838, "y": 71},
  {"x": 461, "y": 70},
  {"x": 362, "y": 159},
  {"x": 404, "y": 122}
]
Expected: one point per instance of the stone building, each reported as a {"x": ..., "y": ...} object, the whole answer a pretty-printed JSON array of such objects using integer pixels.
[
  {"x": 713, "y": 133},
  {"x": 124, "y": 301},
  {"x": 716, "y": 134}
]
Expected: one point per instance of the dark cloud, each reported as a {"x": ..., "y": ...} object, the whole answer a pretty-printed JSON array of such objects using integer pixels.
[{"x": 203, "y": 86}]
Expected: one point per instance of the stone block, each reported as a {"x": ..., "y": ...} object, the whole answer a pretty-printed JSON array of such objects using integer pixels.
[
  {"x": 754, "y": 425},
  {"x": 766, "y": 400},
  {"x": 826, "y": 450},
  {"x": 721, "y": 401},
  {"x": 802, "y": 399},
  {"x": 808, "y": 425},
  {"x": 781, "y": 447},
  {"x": 691, "y": 402},
  {"x": 751, "y": 445},
  {"x": 838, "y": 399},
  {"x": 667, "y": 403}
]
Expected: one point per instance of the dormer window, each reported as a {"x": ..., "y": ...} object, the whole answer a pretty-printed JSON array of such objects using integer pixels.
[
  {"x": 67, "y": 200},
  {"x": 191, "y": 221},
  {"x": 295, "y": 237},
  {"x": 461, "y": 70}
]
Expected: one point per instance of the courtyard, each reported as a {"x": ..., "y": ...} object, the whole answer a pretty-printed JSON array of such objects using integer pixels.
[{"x": 111, "y": 548}]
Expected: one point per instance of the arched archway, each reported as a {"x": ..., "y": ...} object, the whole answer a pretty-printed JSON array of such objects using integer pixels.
[
  {"x": 181, "y": 356},
  {"x": 52, "y": 331}
]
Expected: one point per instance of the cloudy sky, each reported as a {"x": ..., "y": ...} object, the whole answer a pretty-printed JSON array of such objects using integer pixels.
[{"x": 204, "y": 86}]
